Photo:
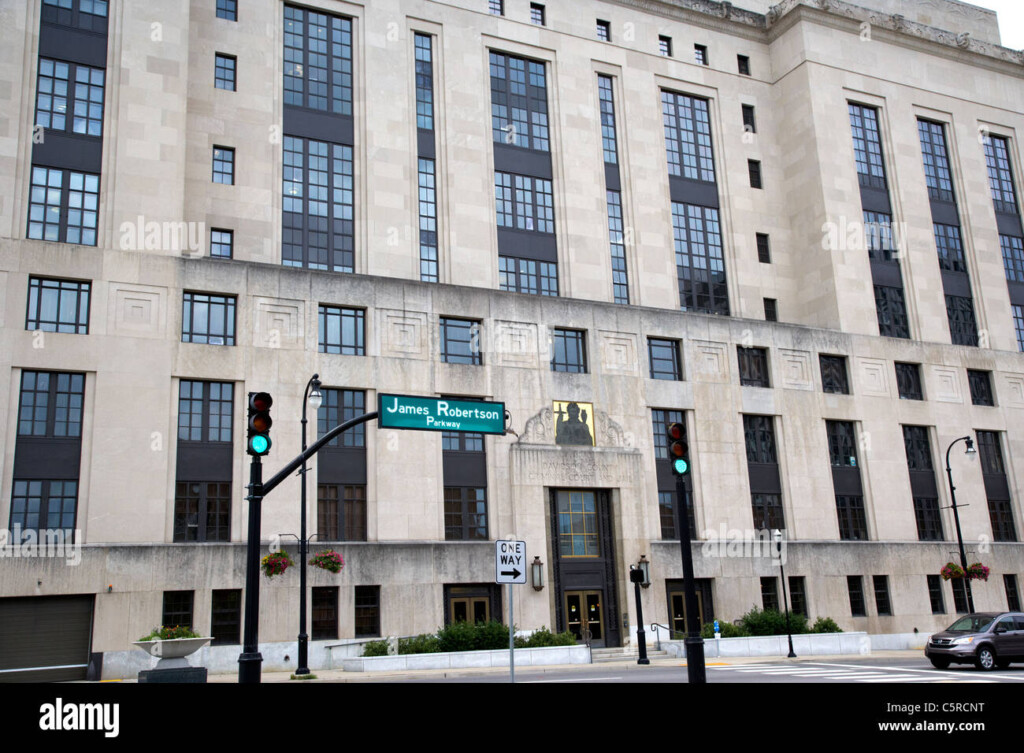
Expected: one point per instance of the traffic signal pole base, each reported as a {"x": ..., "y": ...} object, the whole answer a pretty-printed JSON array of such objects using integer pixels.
[{"x": 695, "y": 669}]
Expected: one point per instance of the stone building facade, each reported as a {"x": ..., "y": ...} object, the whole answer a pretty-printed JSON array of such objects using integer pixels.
[{"x": 795, "y": 229}]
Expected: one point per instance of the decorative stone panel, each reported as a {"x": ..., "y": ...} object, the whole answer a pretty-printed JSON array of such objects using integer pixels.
[
  {"x": 404, "y": 334},
  {"x": 795, "y": 366},
  {"x": 946, "y": 381},
  {"x": 137, "y": 310},
  {"x": 278, "y": 323},
  {"x": 711, "y": 361},
  {"x": 618, "y": 353},
  {"x": 872, "y": 379},
  {"x": 515, "y": 344},
  {"x": 1014, "y": 393}
]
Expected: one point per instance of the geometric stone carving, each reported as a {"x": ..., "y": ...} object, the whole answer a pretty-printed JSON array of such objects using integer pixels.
[
  {"x": 711, "y": 361},
  {"x": 136, "y": 310},
  {"x": 1014, "y": 392},
  {"x": 947, "y": 384},
  {"x": 515, "y": 344},
  {"x": 404, "y": 334},
  {"x": 796, "y": 369},
  {"x": 871, "y": 373},
  {"x": 278, "y": 323},
  {"x": 618, "y": 353}
]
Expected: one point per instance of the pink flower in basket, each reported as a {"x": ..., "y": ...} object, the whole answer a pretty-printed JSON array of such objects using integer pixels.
[{"x": 328, "y": 560}]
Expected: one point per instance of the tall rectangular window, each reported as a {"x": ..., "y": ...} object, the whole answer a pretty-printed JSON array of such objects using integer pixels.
[
  {"x": 853, "y": 524},
  {"x": 908, "y": 381},
  {"x": 69, "y": 97},
  {"x": 1012, "y": 594},
  {"x": 770, "y": 594},
  {"x": 342, "y": 330},
  {"x": 688, "y": 136},
  {"x": 620, "y": 280},
  {"x": 537, "y": 14},
  {"x": 764, "y": 253},
  {"x": 936, "y": 160},
  {"x": 867, "y": 146},
  {"x": 935, "y": 595},
  {"x": 202, "y": 511},
  {"x": 51, "y": 404},
  {"x": 202, "y": 494},
  {"x": 664, "y": 359},
  {"x": 569, "y": 351},
  {"x": 424, "y": 81},
  {"x": 963, "y": 328},
  {"x": 950, "y": 246},
  {"x": 528, "y": 276},
  {"x": 878, "y": 236},
  {"x": 63, "y": 206},
  {"x": 496, "y": 7},
  {"x": 224, "y": 165},
  {"x": 204, "y": 411},
  {"x": 798, "y": 594},
  {"x": 367, "y": 611},
  {"x": 842, "y": 444},
  {"x": 337, "y": 407},
  {"x": 743, "y": 65},
  {"x": 460, "y": 341},
  {"x": 428, "y": 221},
  {"x": 700, "y": 54},
  {"x": 317, "y": 61},
  {"x": 882, "y": 601},
  {"x": 524, "y": 203},
  {"x": 519, "y": 102},
  {"x": 341, "y": 512},
  {"x": 749, "y": 123},
  {"x": 39, "y": 505},
  {"x": 226, "y": 617},
  {"x": 754, "y": 173},
  {"x": 1013, "y": 257},
  {"x": 892, "y": 312},
  {"x": 771, "y": 310},
  {"x": 700, "y": 266},
  {"x": 665, "y": 45},
  {"x": 997, "y": 488},
  {"x": 608, "y": 136},
  {"x": 753, "y": 363},
  {"x": 318, "y": 226},
  {"x": 465, "y": 514},
  {"x": 1000, "y": 175},
  {"x": 959, "y": 595},
  {"x": 855, "y": 587},
  {"x": 763, "y": 472},
  {"x": 58, "y": 306},
  {"x": 604, "y": 30},
  {"x": 224, "y": 72},
  {"x": 208, "y": 318},
  {"x": 325, "y": 613}
]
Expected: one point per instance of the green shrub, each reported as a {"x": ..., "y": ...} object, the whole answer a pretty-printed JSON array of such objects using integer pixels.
[
  {"x": 826, "y": 625},
  {"x": 166, "y": 633},
  {"x": 727, "y": 629},
  {"x": 419, "y": 644},
  {"x": 543, "y": 638},
  {"x": 491, "y": 635},
  {"x": 458, "y": 636},
  {"x": 772, "y": 622},
  {"x": 375, "y": 648}
]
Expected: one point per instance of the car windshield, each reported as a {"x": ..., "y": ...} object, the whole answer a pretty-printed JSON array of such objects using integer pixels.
[{"x": 972, "y": 623}]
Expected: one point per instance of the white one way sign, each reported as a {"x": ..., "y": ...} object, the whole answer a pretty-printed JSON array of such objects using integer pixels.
[{"x": 510, "y": 562}]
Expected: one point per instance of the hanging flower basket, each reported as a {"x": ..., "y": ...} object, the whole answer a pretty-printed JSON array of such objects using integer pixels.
[
  {"x": 328, "y": 560},
  {"x": 977, "y": 571},
  {"x": 952, "y": 570},
  {"x": 275, "y": 563}
]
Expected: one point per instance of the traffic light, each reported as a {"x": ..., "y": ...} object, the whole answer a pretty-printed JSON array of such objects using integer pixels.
[
  {"x": 678, "y": 449},
  {"x": 258, "y": 442}
]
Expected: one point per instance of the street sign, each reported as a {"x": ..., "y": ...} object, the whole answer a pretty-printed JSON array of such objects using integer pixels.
[
  {"x": 510, "y": 562},
  {"x": 440, "y": 414}
]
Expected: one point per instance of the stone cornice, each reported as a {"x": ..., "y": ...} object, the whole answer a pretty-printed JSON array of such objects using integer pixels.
[{"x": 724, "y": 16}]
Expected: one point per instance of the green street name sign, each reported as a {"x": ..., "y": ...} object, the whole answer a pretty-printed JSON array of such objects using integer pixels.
[{"x": 437, "y": 414}]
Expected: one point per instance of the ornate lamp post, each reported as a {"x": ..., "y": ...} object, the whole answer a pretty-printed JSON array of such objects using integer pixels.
[
  {"x": 639, "y": 575},
  {"x": 777, "y": 535},
  {"x": 970, "y": 452},
  {"x": 313, "y": 399}
]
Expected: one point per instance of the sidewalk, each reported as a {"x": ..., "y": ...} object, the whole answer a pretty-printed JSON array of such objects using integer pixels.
[{"x": 628, "y": 665}]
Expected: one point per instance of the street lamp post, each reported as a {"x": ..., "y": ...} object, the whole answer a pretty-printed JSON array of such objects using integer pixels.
[
  {"x": 970, "y": 452},
  {"x": 636, "y": 577},
  {"x": 313, "y": 398},
  {"x": 777, "y": 535}
]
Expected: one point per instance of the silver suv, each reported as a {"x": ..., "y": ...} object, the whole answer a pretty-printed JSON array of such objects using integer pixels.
[{"x": 985, "y": 639}]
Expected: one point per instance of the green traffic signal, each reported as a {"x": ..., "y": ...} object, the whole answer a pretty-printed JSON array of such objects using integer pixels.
[
  {"x": 680, "y": 466},
  {"x": 259, "y": 423},
  {"x": 678, "y": 449},
  {"x": 259, "y": 444}
]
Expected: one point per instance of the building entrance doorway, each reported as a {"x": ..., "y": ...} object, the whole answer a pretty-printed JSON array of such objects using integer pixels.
[{"x": 584, "y": 616}]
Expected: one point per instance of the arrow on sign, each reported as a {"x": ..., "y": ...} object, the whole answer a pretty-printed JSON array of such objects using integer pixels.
[{"x": 514, "y": 573}]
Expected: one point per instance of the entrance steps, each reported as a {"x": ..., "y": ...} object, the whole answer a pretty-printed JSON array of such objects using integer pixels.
[{"x": 622, "y": 654}]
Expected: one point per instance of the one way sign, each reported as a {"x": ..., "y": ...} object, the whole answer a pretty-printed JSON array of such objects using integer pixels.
[{"x": 510, "y": 562}]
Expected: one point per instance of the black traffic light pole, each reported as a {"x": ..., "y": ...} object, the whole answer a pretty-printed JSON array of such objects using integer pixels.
[{"x": 250, "y": 662}]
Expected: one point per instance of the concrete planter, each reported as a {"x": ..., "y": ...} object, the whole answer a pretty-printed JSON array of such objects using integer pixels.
[
  {"x": 778, "y": 645},
  {"x": 172, "y": 652},
  {"x": 525, "y": 657}
]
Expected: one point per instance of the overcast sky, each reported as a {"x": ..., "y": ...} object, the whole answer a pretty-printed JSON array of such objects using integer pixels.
[{"x": 1011, "y": 20}]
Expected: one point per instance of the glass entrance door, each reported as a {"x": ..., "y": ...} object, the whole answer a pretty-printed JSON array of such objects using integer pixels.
[
  {"x": 584, "y": 616},
  {"x": 678, "y": 603}
]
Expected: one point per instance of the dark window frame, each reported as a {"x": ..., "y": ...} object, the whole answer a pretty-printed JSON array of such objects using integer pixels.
[
  {"x": 225, "y": 72},
  {"x": 202, "y": 511},
  {"x": 754, "y": 369},
  {"x": 324, "y": 608},
  {"x": 538, "y": 15},
  {"x": 575, "y": 362},
  {"x": 76, "y": 110},
  {"x": 221, "y": 239},
  {"x": 77, "y": 198},
  {"x": 450, "y": 326},
  {"x": 519, "y": 87},
  {"x": 69, "y": 417},
  {"x": 341, "y": 512},
  {"x": 320, "y": 88},
  {"x": 665, "y": 45},
  {"x": 855, "y": 589},
  {"x": 883, "y": 599},
  {"x": 743, "y": 65},
  {"x": 461, "y": 521},
  {"x": 700, "y": 54},
  {"x": 700, "y": 259},
  {"x": 227, "y": 320},
  {"x": 669, "y": 348},
  {"x": 908, "y": 381},
  {"x": 980, "y": 384},
  {"x": 835, "y": 377},
  {"x": 771, "y": 309},
  {"x": 764, "y": 249},
  {"x": 178, "y": 605},
  {"x": 366, "y": 601},
  {"x": 688, "y": 145},
  {"x": 227, "y": 9},
  {"x": 604, "y": 30},
  {"x": 224, "y": 165},
  {"x": 935, "y": 594},
  {"x": 226, "y": 616},
  {"x": 38, "y": 287},
  {"x": 206, "y": 426},
  {"x": 342, "y": 345}
]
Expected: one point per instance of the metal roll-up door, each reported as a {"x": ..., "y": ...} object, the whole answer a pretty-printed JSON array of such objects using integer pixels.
[{"x": 45, "y": 638}]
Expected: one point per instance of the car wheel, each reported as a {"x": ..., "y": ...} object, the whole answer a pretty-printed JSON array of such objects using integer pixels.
[
  {"x": 939, "y": 662},
  {"x": 986, "y": 658}
]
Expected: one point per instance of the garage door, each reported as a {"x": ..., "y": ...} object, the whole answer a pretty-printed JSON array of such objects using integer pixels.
[{"x": 45, "y": 638}]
